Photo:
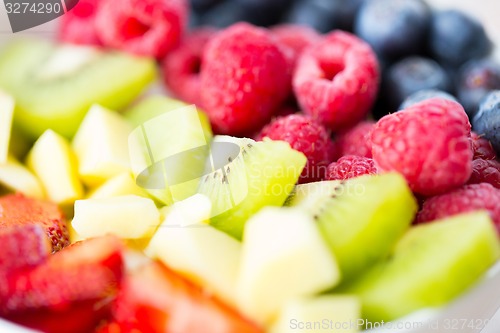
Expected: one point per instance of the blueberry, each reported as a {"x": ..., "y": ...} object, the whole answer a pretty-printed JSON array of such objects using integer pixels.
[
  {"x": 455, "y": 38},
  {"x": 265, "y": 12},
  {"x": 487, "y": 121},
  {"x": 394, "y": 28},
  {"x": 224, "y": 15},
  {"x": 203, "y": 5},
  {"x": 423, "y": 95},
  {"x": 324, "y": 15},
  {"x": 475, "y": 80},
  {"x": 411, "y": 75}
]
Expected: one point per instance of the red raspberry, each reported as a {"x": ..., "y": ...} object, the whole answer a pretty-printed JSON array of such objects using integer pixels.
[
  {"x": 336, "y": 80},
  {"x": 350, "y": 166},
  {"x": 356, "y": 141},
  {"x": 306, "y": 136},
  {"x": 465, "y": 199},
  {"x": 485, "y": 171},
  {"x": 244, "y": 79},
  {"x": 143, "y": 27},
  {"x": 181, "y": 68},
  {"x": 429, "y": 143},
  {"x": 78, "y": 24},
  {"x": 482, "y": 148}
]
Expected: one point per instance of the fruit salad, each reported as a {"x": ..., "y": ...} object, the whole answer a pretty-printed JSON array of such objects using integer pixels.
[{"x": 247, "y": 166}]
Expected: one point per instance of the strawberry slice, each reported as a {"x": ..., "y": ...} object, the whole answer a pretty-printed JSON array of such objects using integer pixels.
[
  {"x": 70, "y": 292},
  {"x": 155, "y": 299},
  {"x": 23, "y": 247},
  {"x": 18, "y": 210}
]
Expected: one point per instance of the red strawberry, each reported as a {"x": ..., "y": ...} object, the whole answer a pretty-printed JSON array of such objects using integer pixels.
[
  {"x": 155, "y": 299},
  {"x": 70, "y": 292},
  {"x": 16, "y": 210}
]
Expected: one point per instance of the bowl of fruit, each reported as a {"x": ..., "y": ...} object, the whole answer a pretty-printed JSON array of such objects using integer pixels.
[{"x": 249, "y": 166}]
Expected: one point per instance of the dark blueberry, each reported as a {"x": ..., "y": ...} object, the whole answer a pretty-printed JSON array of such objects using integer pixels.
[
  {"x": 455, "y": 38},
  {"x": 423, "y": 95},
  {"x": 224, "y": 15},
  {"x": 411, "y": 75},
  {"x": 265, "y": 12},
  {"x": 324, "y": 15},
  {"x": 394, "y": 28},
  {"x": 203, "y": 5},
  {"x": 475, "y": 80},
  {"x": 487, "y": 121}
]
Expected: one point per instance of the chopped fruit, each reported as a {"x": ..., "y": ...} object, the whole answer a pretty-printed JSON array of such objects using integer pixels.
[
  {"x": 429, "y": 266},
  {"x": 6, "y": 113},
  {"x": 485, "y": 171},
  {"x": 429, "y": 143},
  {"x": 337, "y": 314},
  {"x": 487, "y": 121},
  {"x": 276, "y": 269},
  {"x": 161, "y": 168},
  {"x": 129, "y": 217},
  {"x": 336, "y": 80},
  {"x": 70, "y": 292},
  {"x": 54, "y": 163},
  {"x": 54, "y": 86},
  {"x": 350, "y": 166},
  {"x": 423, "y": 95},
  {"x": 482, "y": 148},
  {"x": 185, "y": 243},
  {"x": 78, "y": 24},
  {"x": 181, "y": 68},
  {"x": 304, "y": 135},
  {"x": 465, "y": 199},
  {"x": 356, "y": 141},
  {"x": 122, "y": 184},
  {"x": 240, "y": 91},
  {"x": 17, "y": 178},
  {"x": 23, "y": 246},
  {"x": 143, "y": 27},
  {"x": 100, "y": 144},
  {"x": 155, "y": 299},
  {"x": 17, "y": 210},
  {"x": 247, "y": 176},
  {"x": 388, "y": 210}
]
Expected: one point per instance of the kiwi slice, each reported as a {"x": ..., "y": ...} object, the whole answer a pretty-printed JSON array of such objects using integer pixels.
[
  {"x": 361, "y": 218},
  {"x": 246, "y": 176},
  {"x": 55, "y": 85},
  {"x": 429, "y": 266}
]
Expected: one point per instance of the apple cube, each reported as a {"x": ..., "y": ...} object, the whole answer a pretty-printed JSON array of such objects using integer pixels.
[
  {"x": 17, "y": 178},
  {"x": 284, "y": 257},
  {"x": 6, "y": 113},
  {"x": 121, "y": 184}
]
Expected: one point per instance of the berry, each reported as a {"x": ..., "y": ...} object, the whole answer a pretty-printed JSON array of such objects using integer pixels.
[
  {"x": 482, "y": 148},
  {"x": 264, "y": 12},
  {"x": 394, "y": 28},
  {"x": 455, "y": 38},
  {"x": 244, "y": 79},
  {"x": 486, "y": 122},
  {"x": 336, "y": 80},
  {"x": 411, "y": 75},
  {"x": 224, "y": 14},
  {"x": 18, "y": 210},
  {"x": 485, "y": 171},
  {"x": 306, "y": 136},
  {"x": 428, "y": 143},
  {"x": 465, "y": 199},
  {"x": 78, "y": 24},
  {"x": 203, "y": 5},
  {"x": 181, "y": 68},
  {"x": 423, "y": 95},
  {"x": 356, "y": 141},
  {"x": 476, "y": 79},
  {"x": 143, "y": 27},
  {"x": 350, "y": 166}
]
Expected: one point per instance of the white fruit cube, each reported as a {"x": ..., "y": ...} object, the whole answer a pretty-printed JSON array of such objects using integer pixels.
[
  {"x": 122, "y": 184},
  {"x": 283, "y": 257},
  {"x": 16, "y": 177},
  {"x": 128, "y": 217}
]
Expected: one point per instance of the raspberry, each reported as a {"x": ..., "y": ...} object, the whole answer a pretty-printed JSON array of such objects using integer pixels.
[
  {"x": 294, "y": 38},
  {"x": 306, "y": 136},
  {"x": 336, "y": 80},
  {"x": 356, "y": 141},
  {"x": 485, "y": 171},
  {"x": 244, "y": 79},
  {"x": 482, "y": 148},
  {"x": 429, "y": 143},
  {"x": 464, "y": 199},
  {"x": 350, "y": 166},
  {"x": 181, "y": 68},
  {"x": 143, "y": 27},
  {"x": 78, "y": 24}
]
